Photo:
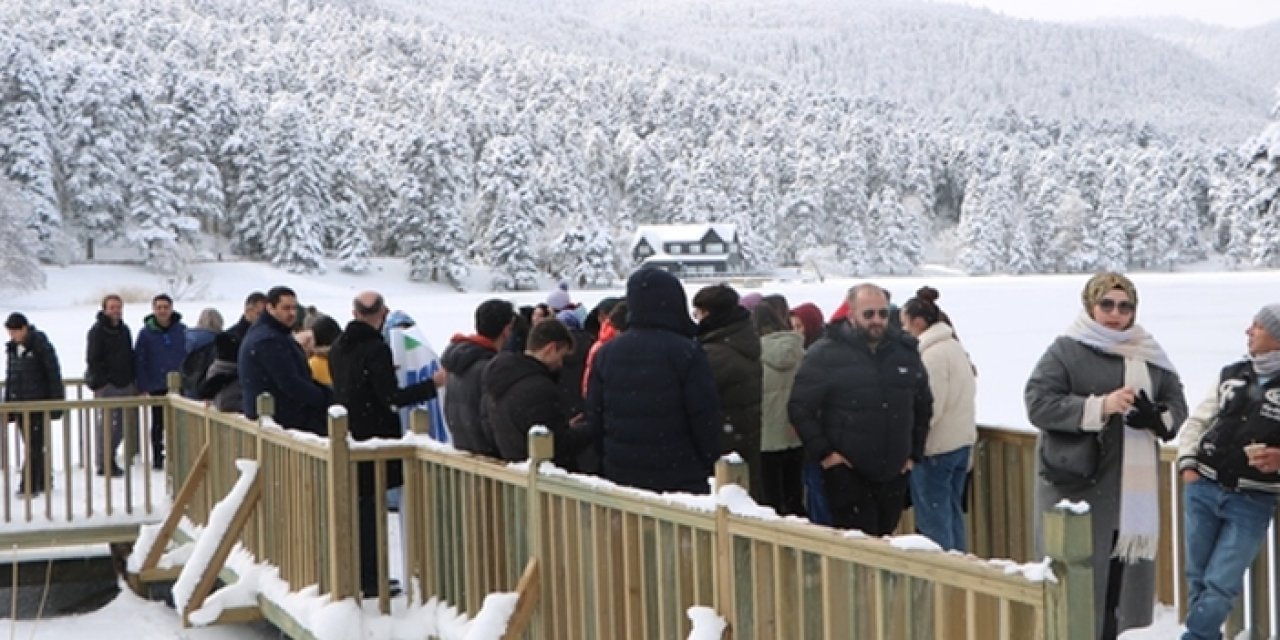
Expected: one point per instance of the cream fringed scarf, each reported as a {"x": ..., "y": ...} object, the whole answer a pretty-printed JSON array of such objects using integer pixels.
[{"x": 1139, "y": 497}]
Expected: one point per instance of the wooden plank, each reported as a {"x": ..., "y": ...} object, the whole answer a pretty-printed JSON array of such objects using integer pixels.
[
  {"x": 210, "y": 573},
  {"x": 528, "y": 592},
  {"x": 1166, "y": 475},
  {"x": 238, "y": 615},
  {"x": 341, "y": 578},
  {"x": 380, "y": 536},
  {"x": 189, "y": 487}
]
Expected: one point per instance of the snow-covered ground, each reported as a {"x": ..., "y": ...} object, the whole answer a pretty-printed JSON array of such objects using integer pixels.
[{"x": 1005, "y": 322}]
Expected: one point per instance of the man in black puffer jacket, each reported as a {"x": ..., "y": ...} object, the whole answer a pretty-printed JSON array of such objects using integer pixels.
[
  {"x": 364, "y": 381},
  {"x": 862, "y": 405},
  {"x": 33, "y": 374},
  {"x": 733, "y": 348},
  {"x": 464, "y": 360},
  {"x": 651, "y": 400},
  {"x": 520, "y": 392}
]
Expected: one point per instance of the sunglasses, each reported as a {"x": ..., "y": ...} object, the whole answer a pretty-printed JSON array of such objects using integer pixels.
[
  {"x": 1124, "y": 306},
  {"x": 871, "y": 313}
]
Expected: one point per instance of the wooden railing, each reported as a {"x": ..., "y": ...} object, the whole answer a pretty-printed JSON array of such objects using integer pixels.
[
  {"x": 78, "y": 505},
  {"x": 1000, "y": 525},
  {"x": 615, "y": 563}
]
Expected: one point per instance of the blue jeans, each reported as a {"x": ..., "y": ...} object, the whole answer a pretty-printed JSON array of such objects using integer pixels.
[
  {"x": 1224, "y": 531},
  {"x": 815, "y": 496},
  {"x": 937, "y": 495}
]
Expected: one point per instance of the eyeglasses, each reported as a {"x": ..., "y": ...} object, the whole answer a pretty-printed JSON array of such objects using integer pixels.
[
  {"x": 871, "y": 313},
  {"x": 1108, "y": 305}
]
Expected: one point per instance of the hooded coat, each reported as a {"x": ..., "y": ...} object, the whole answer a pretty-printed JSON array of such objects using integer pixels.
[
  {"x": 651, "y": 402},
  {"x": 519, "y": 393},
  {"x": 465, "y": 359},
  {"x": 159, "y": 350},
  {"x": 733, "y": 349},
  {"x": 364, "y": 381}
]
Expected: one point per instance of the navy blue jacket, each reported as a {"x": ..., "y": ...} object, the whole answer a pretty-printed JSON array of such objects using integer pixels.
[
  {"x": 651, "y": 400},
  {"x": 271, "y": 361},
  {"x": 159, "y": 351}
]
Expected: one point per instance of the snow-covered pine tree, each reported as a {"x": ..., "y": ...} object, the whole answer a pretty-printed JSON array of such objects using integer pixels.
[
  {"x": 1265, "y": 243},
  {"x": 297, "y": 197},
  {"x": 19, "y": 256},
  {"x": 348, "y": 218},
  {"x": 595, "y": 267},
  {"x": 1141, "y": 206},
  {"x": 984, "y": 217},
  {"x": 429, "y": 224},
  {"x": 245, "y": 184},
  {"x": 510, "y": 253},
  {"x": 185, "y": 125},
  {"x": 1111, "y": 230},
  {"x": 644, "y": 185},
  {"x": 28, "y": 138},
  {"x": 899, "y": 246},
  {"x": 102, "y": 121},
  {"x": 1264, "y": 201},
  {"x": 156, "y": 226}
]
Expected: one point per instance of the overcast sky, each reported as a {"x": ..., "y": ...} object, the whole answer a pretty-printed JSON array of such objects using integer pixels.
[{"x": 1231, "y": 13}]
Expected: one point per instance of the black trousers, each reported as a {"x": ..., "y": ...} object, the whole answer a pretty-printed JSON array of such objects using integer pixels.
[
  {"x": 157, "y": 432},
  {"x": 783, "y": 487},
  {"x": 368, "y": 523},
  {"x": 1111, "y": 605},
  {"x": 33, "y": 456},
  {"x": 859, "y": 503}
]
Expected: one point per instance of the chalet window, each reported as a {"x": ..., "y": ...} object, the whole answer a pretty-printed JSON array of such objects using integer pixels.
[
  {"x": 644, "y": 250},
  {"x": 675, "y": 249},
  {"x": 715, "y": 247},
  {"x": 695, "y": 248}
]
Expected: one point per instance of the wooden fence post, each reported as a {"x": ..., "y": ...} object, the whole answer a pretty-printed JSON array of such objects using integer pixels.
[
  {"x": 420, "y": 421},
  {"x": 341, "y": 555},
  {"x": 729, "y": 470},
  {"x": 173, "y": 382},
  {"x": 1068, "y": 540},
  {"x": 541, "y": 449},
  {"x": 266, "y": 406}
]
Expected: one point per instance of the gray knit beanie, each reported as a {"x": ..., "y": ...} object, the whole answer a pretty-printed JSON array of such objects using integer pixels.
[{"x": 1269, "y": 318}]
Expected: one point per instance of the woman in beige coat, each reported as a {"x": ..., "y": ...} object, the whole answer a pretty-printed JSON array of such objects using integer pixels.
[{"x": 937, "y": 482}]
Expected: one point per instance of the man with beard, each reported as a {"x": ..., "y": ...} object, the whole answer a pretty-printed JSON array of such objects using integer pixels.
[
  {"x": 109, "y": 373},
  {"x": 271, "y": 361},
  {"x": 862, "y": 405}
]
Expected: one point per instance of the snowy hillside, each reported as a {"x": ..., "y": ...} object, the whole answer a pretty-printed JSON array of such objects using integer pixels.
[
  {"x": 1252, "y": 55},
  {"x": 316, "y": 136},
  {"x": 940, "y": 58}
]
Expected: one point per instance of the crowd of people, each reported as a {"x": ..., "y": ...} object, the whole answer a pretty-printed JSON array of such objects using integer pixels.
[{"x": 845, "y": 421}]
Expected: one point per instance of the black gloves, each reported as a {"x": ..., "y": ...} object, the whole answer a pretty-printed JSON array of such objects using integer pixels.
[{"x": 1146, "y": 414}]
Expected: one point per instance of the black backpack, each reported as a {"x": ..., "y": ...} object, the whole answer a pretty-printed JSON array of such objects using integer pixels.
[{"x": 195, "y": 367}]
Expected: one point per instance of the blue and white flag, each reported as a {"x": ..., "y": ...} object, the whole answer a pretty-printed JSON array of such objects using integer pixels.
[{"x": 416, "y": 361}]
